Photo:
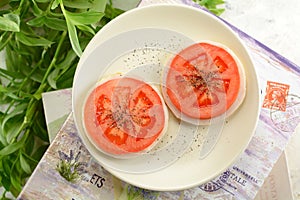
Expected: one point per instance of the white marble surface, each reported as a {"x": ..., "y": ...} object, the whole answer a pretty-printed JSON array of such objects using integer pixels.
[{"x": 276, "y": 24}]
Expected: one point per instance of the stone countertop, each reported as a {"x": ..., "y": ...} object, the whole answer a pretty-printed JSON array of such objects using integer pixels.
[{"x": 276, "y": 24}]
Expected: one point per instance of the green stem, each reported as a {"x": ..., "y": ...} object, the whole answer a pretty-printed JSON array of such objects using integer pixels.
[
  {"x": 44, "y": 84},
  {"x": 24, "y": 81},
  {"x": 11, "y": 104},
  {"x": 27, "y": 118},
  {"x": 19, "y": 10},
  {"x": 7, "y": 40},
  {"x": 30, "y": 158},
  {"x": 57, "y": 51}
]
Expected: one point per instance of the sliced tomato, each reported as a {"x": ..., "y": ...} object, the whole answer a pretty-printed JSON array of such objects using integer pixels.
[
  {"x": 124, "y": 115},
  {"x": 203, "y": 81}
]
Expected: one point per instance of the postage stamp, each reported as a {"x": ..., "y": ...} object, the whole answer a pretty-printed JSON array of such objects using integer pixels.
[{"x": 276, "y": 96}]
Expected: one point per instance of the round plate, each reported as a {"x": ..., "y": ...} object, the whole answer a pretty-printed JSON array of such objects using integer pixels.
[{"x": 123, "y": 35}]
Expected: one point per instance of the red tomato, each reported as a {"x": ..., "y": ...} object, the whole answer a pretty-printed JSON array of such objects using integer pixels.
[
  {"x": 203, "y": 81},
  {"x": 124, "y": 115}
]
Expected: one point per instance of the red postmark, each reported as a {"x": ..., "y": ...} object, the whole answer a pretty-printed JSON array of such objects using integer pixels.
[{"x": 276, "y": 96}]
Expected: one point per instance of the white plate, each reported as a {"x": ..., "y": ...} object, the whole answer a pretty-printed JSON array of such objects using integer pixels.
[{"x": 185, "y": 22}]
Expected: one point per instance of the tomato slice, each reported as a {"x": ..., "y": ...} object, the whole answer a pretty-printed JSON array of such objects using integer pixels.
[
  {"x": 124, "y": 115},
  {"x": 203, "y": 81}
]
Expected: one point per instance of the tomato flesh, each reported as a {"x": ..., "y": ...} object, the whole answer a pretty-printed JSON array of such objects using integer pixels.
[
  {"x": 203, "y": 81},
  {"x": 124, "y": 115}
]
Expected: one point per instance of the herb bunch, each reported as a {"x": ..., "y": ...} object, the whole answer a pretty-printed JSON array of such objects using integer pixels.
[
  {"x": 41, "y": 41},
  {"x": 212, "y": 5}
]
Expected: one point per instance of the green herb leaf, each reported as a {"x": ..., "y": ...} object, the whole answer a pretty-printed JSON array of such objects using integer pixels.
[
  {"x": 32, "y": 41},
  {"x": 9, "y": 74},
  {"x": 212, "y": 5},
  {"x": 55, "y": 4},
  {"x": 66, "y": 79},
  {"x": 52, "y": 78},
  {"x": 5, "y": 181},
  {"x": 37, "y": 22},
  {"x": 83, "y": 18},
  {"x": 24, "y": 164},
  {"x": 39, "y": 152},
  {"x": 12, "y": 127},
  {"x": 73, "y": 37},
  {"x": 84, "y": 4},
  {"x": 9, "y": 93},
  {"x": 16, "y": 182},
  {"x": 3, "y": 141},
  {"x": 10, "y": 22},
  {"x": 11, "y": 148},
  {"x": 4, "y": 39},
  {"x": 36, "y": 10},
  {"x": 86, "y": 29},
  {"x": 13, "y": 17},
  {"x": 43, "y": 1},
  {"x": 67, "y": 61},
  {"x": 55, "y": 23}
]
